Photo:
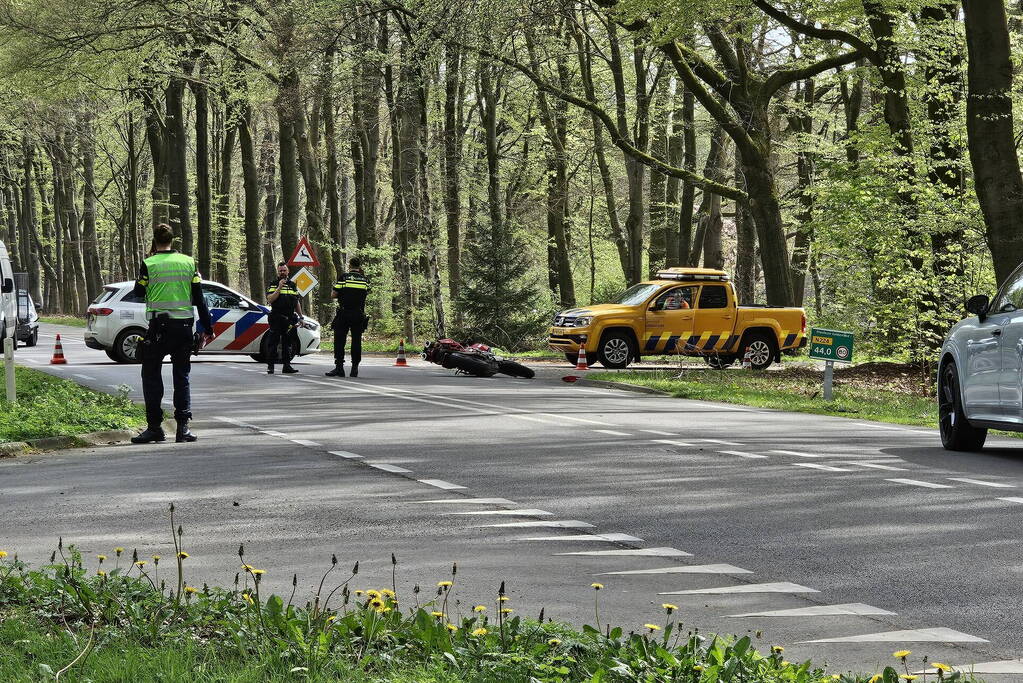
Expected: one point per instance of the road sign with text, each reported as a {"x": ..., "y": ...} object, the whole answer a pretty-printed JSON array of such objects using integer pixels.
[{"x": 833, "y": 345}]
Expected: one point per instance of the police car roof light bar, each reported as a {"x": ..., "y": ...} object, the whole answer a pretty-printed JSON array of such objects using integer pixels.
[{"x": 668, "y": 275}]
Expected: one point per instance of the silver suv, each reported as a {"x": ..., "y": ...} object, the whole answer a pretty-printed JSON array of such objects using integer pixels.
[{"x": 980, "y": 376}]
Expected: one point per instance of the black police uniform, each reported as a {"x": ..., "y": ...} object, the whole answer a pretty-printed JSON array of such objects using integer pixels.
[
  {"x": 282, "y": 318},
  {"x": 352, "y": 289}
]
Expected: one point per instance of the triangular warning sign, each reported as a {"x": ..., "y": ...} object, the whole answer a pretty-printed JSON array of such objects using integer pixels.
[{"x": 303, "y": 254}]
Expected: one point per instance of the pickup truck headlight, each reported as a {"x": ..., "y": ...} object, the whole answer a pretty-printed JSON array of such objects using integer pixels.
[{"x": 584, "y": 321}]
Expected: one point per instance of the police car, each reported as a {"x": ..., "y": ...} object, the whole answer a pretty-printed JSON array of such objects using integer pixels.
[{"x": 116, "y": 323}]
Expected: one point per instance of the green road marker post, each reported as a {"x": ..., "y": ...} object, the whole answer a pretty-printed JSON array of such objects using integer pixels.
[{"x": 830, "y": 346}]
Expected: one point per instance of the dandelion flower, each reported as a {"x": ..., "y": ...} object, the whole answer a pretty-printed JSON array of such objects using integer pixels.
[
  {"x": 257, "y": 572},
  {"x": 373, "y": 594},
  {"x": 777, "y": 649},
  {"x": 944, "y": 668},
  {"x": 439, "y": 615},
  {"x": 183, "y": 555},
  {"x": 358, "y": 593},
  {"x": 331, "y": 618},
  {"x": 479, "y": 608},
  {"x": 376, "y": 603},
  {"x": 480, "y": 632},
  {"x": 191, "y": 589},
  {"x": 388, "y": 592},
  {"x": 140, "y": 564},
  {"x": 554, "y": 641},
  {"x": 3, "y": 554},
  {"x": 506, "y": 610},
  {"x": 100, "y": 572},
  {"x": 248, "y": 598},
  {"x": 444, "y": 584},
  {"x": 670, "y": 607},
  {"x": 503, "y": 598},
  {"x": 697, "y": 667},
  {"x": 875, "y": 678},
  {"x": 247, "y": 567},
  {"x": 786, "y": 662},
  {"x": 98, "y": 557},
  {"x": 836, "y": 677},
  {"x": 118, "y": 551},
  {"x": 908, "y": 677},
  {"x": 652, "y": 627},
  {"x": 902, "y": 654},
  {"x": 451, "y": 627},
  {"x": 156, "y": 558},
  {"x": 596, "y": 586}
]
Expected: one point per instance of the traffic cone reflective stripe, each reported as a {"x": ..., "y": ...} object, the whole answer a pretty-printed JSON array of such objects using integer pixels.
[
  {"x": 58, "y": 353},
  {"x": 401, "y": 362},
  {"x": 581, "y": 362},
  {"x": 747, "y": 361}
]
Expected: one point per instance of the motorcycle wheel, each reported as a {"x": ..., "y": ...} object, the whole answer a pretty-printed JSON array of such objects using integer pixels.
[
  {"x": 471, "y": 365},
  {"x": 510, "y": 367}
]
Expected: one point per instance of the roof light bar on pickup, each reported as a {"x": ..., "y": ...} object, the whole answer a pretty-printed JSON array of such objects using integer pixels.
[{"x": 669, "y": 275}]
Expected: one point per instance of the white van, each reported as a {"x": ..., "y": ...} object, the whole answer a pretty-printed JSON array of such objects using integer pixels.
[{"x": 8, "y": 296}]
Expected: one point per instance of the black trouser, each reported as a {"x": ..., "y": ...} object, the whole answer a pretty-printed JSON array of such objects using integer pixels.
[
  {"x": 346, "y": 322},
  {"x": 167, "y": 336},
  {"x": 279, "y": 334}
]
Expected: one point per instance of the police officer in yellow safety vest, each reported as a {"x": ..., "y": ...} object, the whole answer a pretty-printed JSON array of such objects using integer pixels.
[
  {"x": 171, "y": 287},
  {"x": 285, "y": 313},
  {"x": 350, "y": 291}
]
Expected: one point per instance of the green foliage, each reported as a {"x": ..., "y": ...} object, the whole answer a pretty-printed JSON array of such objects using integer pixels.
[{"x": 49, "y": 406}]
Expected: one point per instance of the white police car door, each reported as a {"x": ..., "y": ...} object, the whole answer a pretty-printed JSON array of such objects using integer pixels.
[{"x": 238, "y": 326}]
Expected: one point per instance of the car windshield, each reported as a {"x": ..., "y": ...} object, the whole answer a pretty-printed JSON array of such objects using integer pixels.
[{"x": 636, "y": 294}]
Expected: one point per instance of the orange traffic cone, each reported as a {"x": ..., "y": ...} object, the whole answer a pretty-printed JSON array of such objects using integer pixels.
[
  {"x": 58, "y": 353},
  {"x": 401, "y": 362},
  {"x": 581, "y": 362},
  {"x": 747, "y": 361}
]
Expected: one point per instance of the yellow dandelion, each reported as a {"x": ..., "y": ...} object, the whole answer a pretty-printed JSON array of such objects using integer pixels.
[
  {"x": 596, "y": 586},
  {"x": 451, "y": 627},
  {"x": 383, "y": 610},
  {"x": 908, "y": 677},
  {"x": 247, "y": 567},
  {"x": 786, "y": 662},
  {"x": 98, "y": 557},
  {"x": 388, "y": 592},
  {"x": 777, "y": 649},
  {"x": 444, "y": 584},
  {"x": 554, "y": 641},
  {"x": 376, "y": 603},
  {"x": 652, "y": 627},
  {"x": 479, "y": 608},
  {"x": 439, "y": 615},
  {"x": 875, "y": 678},
  {"x": 358, "y": 593},
  {"x": 503, "y": 598},
  {"x": 248, "y": 598},
  {"x": 480, "y": 632},
  {"x": 836, "y": 677},
  {"x": 156, "y": 558},
  {"x": 506, "y": 610},
  {"x": 670, "y": 607},
  {"x": 183, "y": 555},
  {"x": 140, "y": 564},
  {"x": 331, "y": 618},
  {"x": 902, "y": 654},
  {"x": 100, "y": 572},
  {"x": 697, "y": 667},
  {"x": 118, "y": 551},
  {"x": 191, "y": 589},
  {"x": 257, "y": 572},
  {"x": 944, "y": 668},
  {"x": 3, "y": 554},
  {"x": 373, "y": 594}
]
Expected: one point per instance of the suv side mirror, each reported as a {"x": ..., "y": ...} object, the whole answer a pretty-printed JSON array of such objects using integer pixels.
[
  {"x": 8, "y": 286},
  {"x": 978, "y": 305}
]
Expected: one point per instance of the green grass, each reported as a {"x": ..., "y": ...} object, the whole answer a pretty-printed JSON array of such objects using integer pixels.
[
  {"x": 49, "y": 406},
  {"x": 792, "y": 389},
  {"x": 72, "y": 320}
]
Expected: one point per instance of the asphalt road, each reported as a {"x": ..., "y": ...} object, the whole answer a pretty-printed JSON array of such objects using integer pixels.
[{"x": 877, "y": 537}]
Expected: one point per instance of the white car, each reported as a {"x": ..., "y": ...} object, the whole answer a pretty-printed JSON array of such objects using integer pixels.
[
  {"x": 116, "y": 323},
  {"x": 980, "y": 375}
]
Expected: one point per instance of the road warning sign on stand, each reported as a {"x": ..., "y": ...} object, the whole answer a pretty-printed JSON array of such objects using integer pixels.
[
  {"x": 304, "y": 281},
  {"x": 303, "y": 255}
]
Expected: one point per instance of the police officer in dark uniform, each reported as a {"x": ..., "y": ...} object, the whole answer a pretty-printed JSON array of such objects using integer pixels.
[
  {"x": 285, "y": 313},
  {"x": 171, "y": 286},
  {"x": 350, "y": 291}
]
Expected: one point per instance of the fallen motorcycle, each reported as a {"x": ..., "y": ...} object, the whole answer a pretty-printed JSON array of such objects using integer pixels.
[{"x": 475, "y": 359}]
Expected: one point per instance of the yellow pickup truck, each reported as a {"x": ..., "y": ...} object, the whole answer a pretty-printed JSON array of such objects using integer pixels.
[{"x": 685, "y": 311}]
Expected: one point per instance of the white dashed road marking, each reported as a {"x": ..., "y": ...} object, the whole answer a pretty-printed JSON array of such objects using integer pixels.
[
  {"x": 876, "y": 466},
  {"x": 917, "y": 635},
  {"x": 852, "y": 609},
  {"x": 670, "y": 442},
  {"x": 441, "y": 484},
  {"x": 606, "y": 538},
  {"x": 346, "y": 455},
  {"x": 270, "y": 432},
  {"x": 388, "y": 468},
  {"x": 552, "y": 524},
  {"x": 471, "y": 501},
  {"x": 978, "y": 482},
  {"x": 659, "y": 433},
  {"x": 1012, "y": 500},
  {"x": 723, "y": 443},
  {"x": 799, "y": 454},
  {"x": 743, "y": 454},
  {"x": 777, "y": 587},
  {"x": 576, "y": 419},
  {"x": 612, "y": 432},
  {"x": 306, "y": 442},
  {"x": 915, "y": 482},
  {"x": 640, "y": 552},
  {"x": 524, "y": 512},
  {"x": 85, "y": 377},
  {"x": 815, "y": 466},
  {"x": 691, "y": 569}
]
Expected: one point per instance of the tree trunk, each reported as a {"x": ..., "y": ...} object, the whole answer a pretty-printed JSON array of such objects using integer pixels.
[
  {"x": 250, "y": 187},
  {"x": 309, "y": 166},
  {"x": 707, "y": 240},
  {"x": 685, "y": 208},
  {"x": 177, "y": 163},
  {"x": 335, "y": 227},
  {"x": 989, "y": 126},
  {"x": 452, "y": 160},
  {"x": 203, "y": 206},
  {"x": 90, "y": 238},
  {"x": 270, "y": 224},
  {"x": 745, "y": 245},
  {"x": 286, "y": 103},
  {"x": 156, "y": 136},
  {"x": 658, "y": 202},
  {"x": 801, "y": 124}
]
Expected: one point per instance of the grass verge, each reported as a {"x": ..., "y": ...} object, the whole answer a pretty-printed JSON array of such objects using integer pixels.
[
  {"x": 72, "y": 320},
  {"x": 114, "y": 619},
  {"x": 880, "y": 392},
  {"x": 50, "y": 406}
]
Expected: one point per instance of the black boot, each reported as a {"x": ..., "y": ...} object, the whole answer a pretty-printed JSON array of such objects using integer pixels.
[
  {"x": 270, "y": 369},
  {"x": 338, "y": 371},
  {"x": 183, "y": 435},
  {"x": 151, "y": 435},
  {"x": 355, "y": 370},
  {"x": 288, "y": 370}
]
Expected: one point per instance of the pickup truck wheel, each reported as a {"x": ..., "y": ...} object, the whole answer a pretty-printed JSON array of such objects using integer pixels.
[
  {"x": 761, "y": 350},
  {"x": 719, "y": 362},
  {"x": 957, "y": 434},
  {"x": 615, "y": 350}
]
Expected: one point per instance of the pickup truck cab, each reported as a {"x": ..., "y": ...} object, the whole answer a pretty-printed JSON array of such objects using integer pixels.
[{"x": 685, "y": 311}]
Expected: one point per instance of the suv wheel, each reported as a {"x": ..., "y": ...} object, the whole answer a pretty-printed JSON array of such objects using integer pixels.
[
  {"x": 761, "y": 350},
  {"x": 128, "y": 345},
  {"x": 957, "y": 434},
  {"x": 615, "y": 350}
]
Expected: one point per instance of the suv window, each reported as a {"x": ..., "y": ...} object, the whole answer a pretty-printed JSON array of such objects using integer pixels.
[
  {"x": 1011, "y": 297},
  {"x": 713, "y": 296},
  {"x": 220, "y": 298}
]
